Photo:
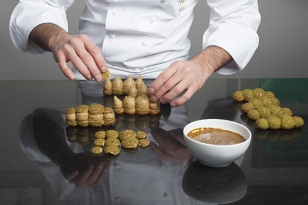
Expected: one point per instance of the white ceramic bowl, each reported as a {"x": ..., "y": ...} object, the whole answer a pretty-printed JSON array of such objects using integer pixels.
[{"x": 217, "y": 155}]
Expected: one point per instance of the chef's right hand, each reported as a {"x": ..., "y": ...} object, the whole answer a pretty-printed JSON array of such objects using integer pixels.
[
  {"x": 84, "y": 171},
  {"x": 170, "y": 145},
  {"x": 80, "y": 50},
  {"x": 86, "y": 57}
]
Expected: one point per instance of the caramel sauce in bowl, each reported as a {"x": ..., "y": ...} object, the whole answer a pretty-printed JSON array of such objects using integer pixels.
[{"x": 216, "y": 142}]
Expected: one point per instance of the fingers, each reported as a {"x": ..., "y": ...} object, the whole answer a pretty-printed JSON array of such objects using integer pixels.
[
  {"x": 72, "y": 175},
  {"x": 86, "y": 57},
  {"x": 162, "y": 154},
  {"x": 65, "y": 69},
  {"x": 177, "y": 134},
  {"x": 82, "y": 177},
  {"x": 175, "y": 80},
  {"x": 94, "y": 175},
  {"x": 97, "y": 176},
  {"x": 102, "y": 176},
  {"x": 169, "y": 148}
]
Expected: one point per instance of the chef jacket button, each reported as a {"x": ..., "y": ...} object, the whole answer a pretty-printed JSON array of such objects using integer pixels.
[
  {"x": 144, "y": 43},
  {"x": 112, "y": 35},
  {"x": 153, "y": 18},
  {"x": 115, "y": 13},
  {"x": 136, "y": 69}
]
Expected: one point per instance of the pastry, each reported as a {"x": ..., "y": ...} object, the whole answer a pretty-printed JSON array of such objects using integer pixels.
[
  {"x": 117, "y": 86},
  {"x": 130, "y": 143},
  {"x": 128, "y": 84},
  {"x": 112, "y": 134},
  {"x": 99, "y": 142},
  {"x": 95, "y": 115},
  {"x": 127, "y": 134},
  {"x": 114, "y": 150},
  {"x": 100, "y": 134},
  {"x": 129, "y": 105},
  {"x": 133, "y": 92},
  {"x": 154, "y": 107},
  {"x": 109, "y": 116},
  {"x": 97, "y": 150},
  {"x": 142, "y": 105},
  {"x": 82, "y": 115},
  {"x": 70, "y": 116},
  {"x": 141, "y": 134},
  {"x": 107, "y": 90},
  {"x": 106, "y": 75},
  {"x": 112, "y": 142},
  {"x": 117, "y": 105},
  {"x": 144, "y": 142}
]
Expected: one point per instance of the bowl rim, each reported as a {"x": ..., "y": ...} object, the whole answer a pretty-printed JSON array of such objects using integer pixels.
[{"x": 214, "y": 145}]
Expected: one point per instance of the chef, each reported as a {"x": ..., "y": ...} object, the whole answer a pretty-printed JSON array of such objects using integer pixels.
[{"x": 140, "y": 37}]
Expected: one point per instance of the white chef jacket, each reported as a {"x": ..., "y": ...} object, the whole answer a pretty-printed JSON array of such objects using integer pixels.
[{"x": 143, "y": 37}]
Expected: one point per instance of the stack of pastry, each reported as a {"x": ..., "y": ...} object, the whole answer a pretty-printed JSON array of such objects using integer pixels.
[
  {"x": 128, "y": 87},
  {"x": 71, "y": 117},
  {"x": 109, "y": 116},
  {"x": 136, "y": 96},
  {"x": 94, "y": 115},
  {"x": 82, "y": 115}
]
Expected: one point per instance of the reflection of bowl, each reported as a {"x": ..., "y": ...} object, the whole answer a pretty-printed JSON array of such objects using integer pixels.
[
  {"x": 214, "y": 185},
  {"x": 217, "y": 155}
]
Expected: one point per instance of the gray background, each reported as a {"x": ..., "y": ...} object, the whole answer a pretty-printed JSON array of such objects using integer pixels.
[{"x": 281, "y": 54}]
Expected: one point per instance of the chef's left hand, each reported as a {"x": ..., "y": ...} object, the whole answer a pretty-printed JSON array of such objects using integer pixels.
[{"x": 187, "y": 76}]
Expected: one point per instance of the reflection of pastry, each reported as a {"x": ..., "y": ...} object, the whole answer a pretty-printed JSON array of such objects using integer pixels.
[
  {"x": 129, "y": 121},
  {"x": 117, "y": 86},
  {"x": 154, "y": 121},
  {"x": 83, "y": 135},
  {"x": 109, "y": 116},
  {"x": 117, "y": 105},
  {"x": 129, "y": 105},
  {"x": 71, "y": 133},
  {"x": 142, "y": 105},
  {"x": 82, "y": 115},
  {"x": 107, "y": 90},
  {"x": 119, "y": 121},
  {"x": 70, "y": 117},
  {"x": 95, "y": 116},
  {"x": 142, "y": 122},
  {"x": 128, "y": 84}
]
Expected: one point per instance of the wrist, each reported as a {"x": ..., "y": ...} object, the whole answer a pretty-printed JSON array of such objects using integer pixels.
[
  {"x": 46, "y": 35},
  {"x": 212, "y": 58}
]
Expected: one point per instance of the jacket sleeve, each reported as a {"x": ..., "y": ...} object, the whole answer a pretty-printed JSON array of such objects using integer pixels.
[
  {"x": 29, "y": 13},
  {"x": 233, "y": 26}
]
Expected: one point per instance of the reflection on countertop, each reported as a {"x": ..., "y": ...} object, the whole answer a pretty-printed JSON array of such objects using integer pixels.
[{"x": 43, "y": 166}]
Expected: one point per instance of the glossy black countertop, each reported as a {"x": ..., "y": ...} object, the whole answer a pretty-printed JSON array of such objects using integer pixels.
[{"x": 38, "y": 161}]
